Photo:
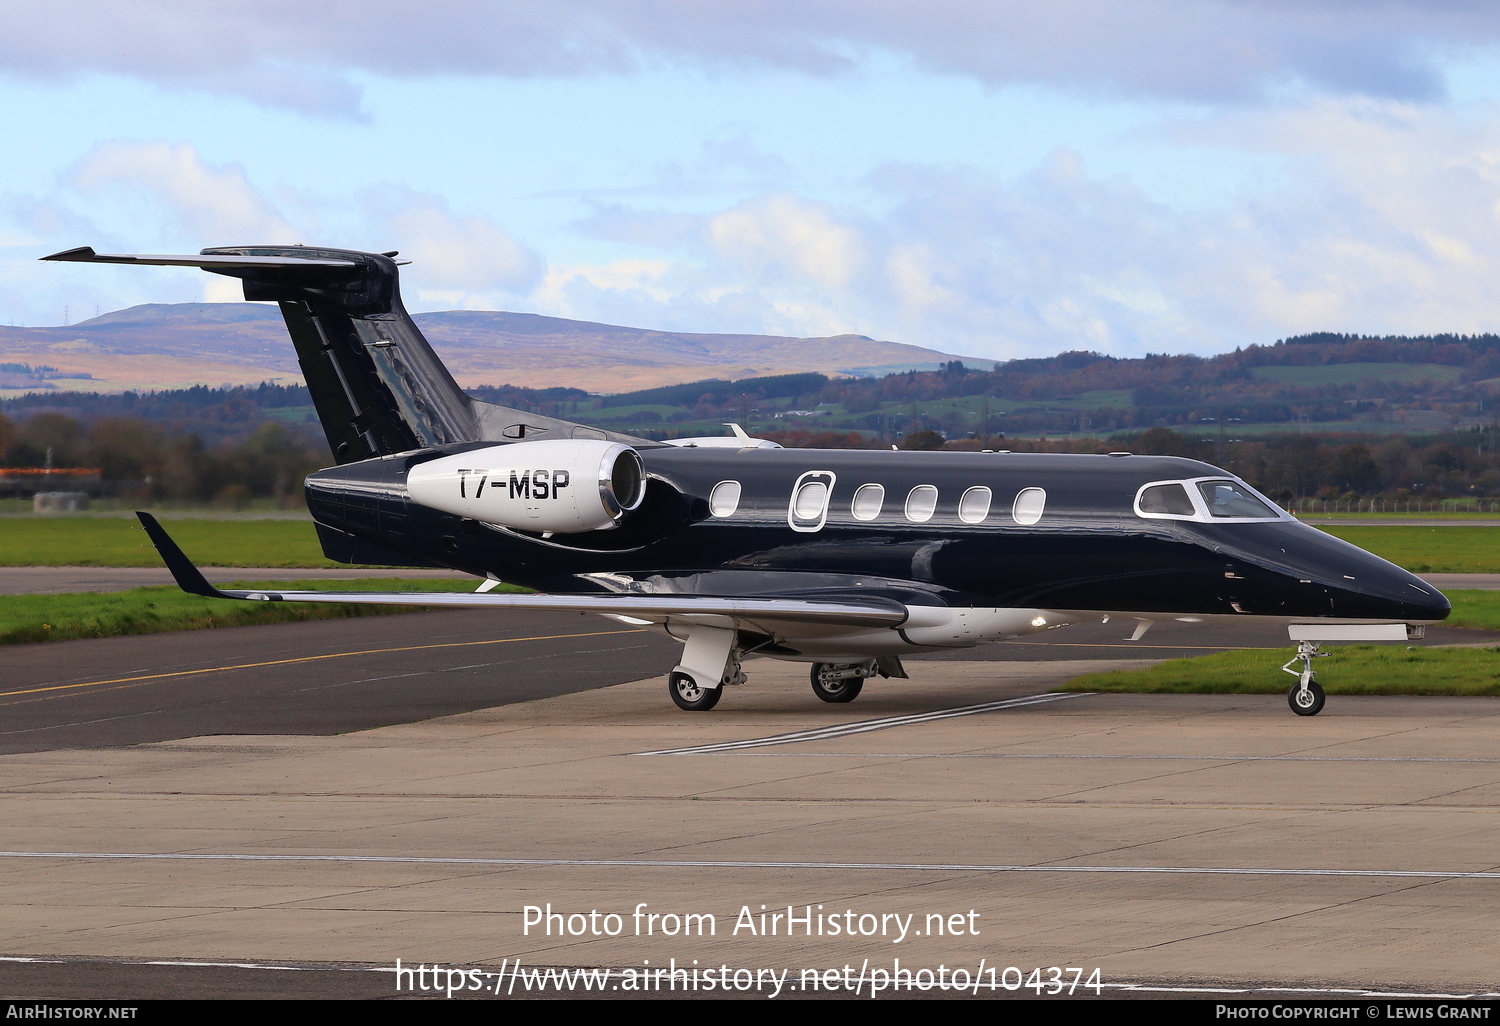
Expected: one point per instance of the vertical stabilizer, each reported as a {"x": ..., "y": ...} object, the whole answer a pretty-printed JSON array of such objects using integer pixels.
[{"x": 378, "y": 386}]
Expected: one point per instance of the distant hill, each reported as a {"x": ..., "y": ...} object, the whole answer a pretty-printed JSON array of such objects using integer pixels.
[
  {"x": 1325, "y": 383},
  {"x": 165, "y": 346}
]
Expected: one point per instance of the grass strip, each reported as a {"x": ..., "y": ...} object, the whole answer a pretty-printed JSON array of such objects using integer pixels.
[
  {"x": 1375, "y": 518},
  {"x": 31, "y": 618},
  {"x": 1443, "y": 550},
  {"x": 1479, "y": 610},
  {"x": 100, "y": 541},
  {"x": 1351, "y": 670}
]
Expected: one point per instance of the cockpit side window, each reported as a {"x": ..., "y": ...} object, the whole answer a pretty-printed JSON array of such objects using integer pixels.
[
  {"x": 1171, "y": 499},
  {"x": 1228, "y": 501},
  {"x": 1206, "y": 500}
]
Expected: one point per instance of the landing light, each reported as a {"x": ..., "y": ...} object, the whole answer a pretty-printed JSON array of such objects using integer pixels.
[{"x": 1040, "y": 621}]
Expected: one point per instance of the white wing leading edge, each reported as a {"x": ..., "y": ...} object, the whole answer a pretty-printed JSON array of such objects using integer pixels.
[{"x": 865, "y": 613}]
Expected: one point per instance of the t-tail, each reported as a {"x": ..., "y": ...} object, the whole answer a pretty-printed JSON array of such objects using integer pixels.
[{"x": 376, "y": 383}]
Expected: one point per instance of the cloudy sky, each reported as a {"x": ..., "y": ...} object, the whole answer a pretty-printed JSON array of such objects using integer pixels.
[{"x": 1000, "y": 178}]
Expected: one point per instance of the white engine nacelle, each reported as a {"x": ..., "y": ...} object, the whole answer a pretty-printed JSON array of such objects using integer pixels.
[{"x": 563, "y": 487}]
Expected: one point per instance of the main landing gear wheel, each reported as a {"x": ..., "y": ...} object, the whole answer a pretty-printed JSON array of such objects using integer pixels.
[
  {"x": 830, "y": 686},
  {"x": 1306, "y": 702},
  {"x": 688, "y": 695}
]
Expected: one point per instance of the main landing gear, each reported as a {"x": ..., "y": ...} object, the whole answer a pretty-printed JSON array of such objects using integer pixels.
[
  {"x": 687, "y": 693},
  {"x": 841, "y": 682},
  {"x": 712, "y": 660},
  {"x": 1306, "y": 696}
]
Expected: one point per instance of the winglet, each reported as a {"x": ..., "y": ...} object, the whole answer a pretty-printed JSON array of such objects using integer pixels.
[
  {"x": 83, "y": 253},
  {"x": 188, "y": 577}
]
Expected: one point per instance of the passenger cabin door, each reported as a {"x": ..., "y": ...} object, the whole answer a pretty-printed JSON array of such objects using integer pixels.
[{"x": 808, "y": 509}]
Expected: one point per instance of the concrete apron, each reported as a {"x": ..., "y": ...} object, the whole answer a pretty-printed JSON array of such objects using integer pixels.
[{"x": 1094, "y": 783}]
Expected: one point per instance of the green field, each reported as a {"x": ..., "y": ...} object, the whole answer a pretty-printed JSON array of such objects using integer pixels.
[
  {"x": 118, "y": 541},
  {"x": 1479, "y": 610},
  {"x": 1319, "y": 519},
  {"x": 1448, "y": 550},
  {"x": 1351, "y": 670},
  {"x": 31, "y": 618},
  {"x": 1349, "y": 373}
]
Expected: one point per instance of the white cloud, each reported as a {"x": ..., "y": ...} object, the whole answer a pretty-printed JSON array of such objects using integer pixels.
[
  {"x": 200, "y": 200},
  {"x": 306, "y": 57},
  {"x": 458, "y": 260},
  {"x": 785, "y": 237},
  {"x": 164, "y": 197},
  {"x": 1386, "y": 219}
]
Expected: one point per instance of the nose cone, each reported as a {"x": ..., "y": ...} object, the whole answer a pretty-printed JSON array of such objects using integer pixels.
[
  {"x": 1339, "y": 580},
  {"x": 1385, "y": 592}
]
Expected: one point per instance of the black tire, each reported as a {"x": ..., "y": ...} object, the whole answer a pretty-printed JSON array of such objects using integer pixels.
[
  {"x": 689, "y": 696},
  {"x": 838, "y": 692},
  {"x": 1306, "y": 705}
]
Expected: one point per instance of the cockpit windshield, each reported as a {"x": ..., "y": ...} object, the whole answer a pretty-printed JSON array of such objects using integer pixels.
[{"x": 1229, "y": 501}]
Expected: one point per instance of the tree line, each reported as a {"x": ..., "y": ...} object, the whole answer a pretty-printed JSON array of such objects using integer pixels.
[{"x": 153, "y": 461}]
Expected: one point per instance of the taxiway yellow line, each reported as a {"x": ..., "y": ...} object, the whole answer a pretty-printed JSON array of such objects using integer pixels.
[{"x": 304, "y": 659}]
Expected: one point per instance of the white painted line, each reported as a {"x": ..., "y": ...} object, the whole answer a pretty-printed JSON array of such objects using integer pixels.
[
  {"x": 1134, "y": 758},
  {"x": 312, "y": 967},
  {"x": 1306, "y": 992},
  {"x": 1143, "y": 988},
  {"x": 928, "y": 867},
  {"x": 865, "y": 726}
]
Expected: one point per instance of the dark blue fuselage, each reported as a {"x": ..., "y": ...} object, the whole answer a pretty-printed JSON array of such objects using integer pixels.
[{"x": 1089, "y": 550}]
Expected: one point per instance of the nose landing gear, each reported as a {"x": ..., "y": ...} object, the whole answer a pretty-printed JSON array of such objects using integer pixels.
[{"x": 1306, "y": 696}]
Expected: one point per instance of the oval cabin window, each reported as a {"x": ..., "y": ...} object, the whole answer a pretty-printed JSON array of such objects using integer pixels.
[
  {"x": 868, "y": 500},
  {"x": 1029, "y": 505},
  {"x": 811, "y": 498},
  {"x": 921, "y": 503},
  {"x": 724, "y": 499},
  {"x": 974, "y": 506}
]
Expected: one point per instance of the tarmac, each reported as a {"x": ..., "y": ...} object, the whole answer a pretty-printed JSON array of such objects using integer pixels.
[
  {"x": 63, "y": 580},
  {"x": 1168, "y": 841}
]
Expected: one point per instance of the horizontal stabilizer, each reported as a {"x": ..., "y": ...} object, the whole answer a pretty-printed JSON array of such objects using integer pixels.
[
  {"x": 208, "y": 261},
  {"x": 872, "y": 612},
  {"x": 376, "y": 383}
]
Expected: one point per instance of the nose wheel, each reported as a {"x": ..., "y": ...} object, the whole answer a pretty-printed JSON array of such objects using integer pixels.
[
  {"x": 1306, "y": 696},
  {"x": 1306, "y": 701}
]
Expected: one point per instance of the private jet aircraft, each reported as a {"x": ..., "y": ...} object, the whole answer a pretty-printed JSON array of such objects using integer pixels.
[{"x": 844, "y": 559}]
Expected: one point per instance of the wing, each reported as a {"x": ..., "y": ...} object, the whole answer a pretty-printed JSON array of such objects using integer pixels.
[{"x": 863, "y": 613}]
